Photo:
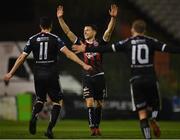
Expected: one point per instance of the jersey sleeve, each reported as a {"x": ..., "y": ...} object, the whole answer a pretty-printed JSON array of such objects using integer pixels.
[
  {"x": 115, "y": 47},
  {"x": 78, "y": 41},
  {"x": 119, "y": 46},
  {"x": 28, "y": 48},
  {"x": 172, "y": 49},
  {"x": 159, "y": 46},
  {"x": 60, "y": 43},
  {"x": 100, "y": 49}
]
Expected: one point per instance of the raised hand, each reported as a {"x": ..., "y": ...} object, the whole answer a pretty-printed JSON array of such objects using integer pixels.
[
  {"x": 60, "y": 11},
  {"x": 113, "y": 11}
]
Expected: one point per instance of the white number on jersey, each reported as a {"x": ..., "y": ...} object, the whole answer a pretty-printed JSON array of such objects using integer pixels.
[
  {"x": 137, "y": 54},
  {"x": 43, "y": 48}
]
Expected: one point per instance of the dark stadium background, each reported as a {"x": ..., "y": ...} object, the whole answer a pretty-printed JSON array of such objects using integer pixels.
[{"x": 20, "y": 19}]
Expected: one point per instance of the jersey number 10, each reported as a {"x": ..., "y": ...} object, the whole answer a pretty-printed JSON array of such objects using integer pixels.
[
  {"x": 137, "y": 51},
  {"x": 43, "y": 50}
]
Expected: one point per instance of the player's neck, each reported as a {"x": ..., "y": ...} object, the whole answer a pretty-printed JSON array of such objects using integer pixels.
[
  {"x": 90, "y": 41},
  {"x": 138, "y": 34},
  {"x": 45, "y": 30}
]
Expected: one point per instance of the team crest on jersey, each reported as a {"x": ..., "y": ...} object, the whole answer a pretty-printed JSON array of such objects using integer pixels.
[{"x": 95, "y": 43}]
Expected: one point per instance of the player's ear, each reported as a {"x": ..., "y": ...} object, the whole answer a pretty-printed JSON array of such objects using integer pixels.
[
  {"x": 144, "y": 32},
  {"x": 41, "y": 27},
  {"x": 132, "y": 30},
  {"x": 95, "y": 33},
  {"x": 51, "y": 27}
]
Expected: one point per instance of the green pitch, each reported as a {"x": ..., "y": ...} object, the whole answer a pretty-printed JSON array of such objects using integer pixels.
[{"x": 76, "y": 129}]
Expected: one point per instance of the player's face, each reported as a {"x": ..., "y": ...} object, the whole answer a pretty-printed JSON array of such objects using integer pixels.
[{"x": 89, "y": 33}]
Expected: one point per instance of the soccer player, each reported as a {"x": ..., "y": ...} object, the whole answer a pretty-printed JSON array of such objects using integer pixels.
[
  {"x": 94, "y": 81},
  {"x": 45, "y": 47},
  {"x": 140, "y": 51}
]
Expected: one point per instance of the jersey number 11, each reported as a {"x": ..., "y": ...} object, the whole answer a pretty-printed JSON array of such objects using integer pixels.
[{"x": 43, "y": 50}]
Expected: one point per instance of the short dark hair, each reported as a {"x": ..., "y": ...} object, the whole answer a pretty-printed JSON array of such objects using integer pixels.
[
  {"x": 45, "y": 22},
  {"x": 139, "y": 26},
  {"x": 93, "y": 26}
]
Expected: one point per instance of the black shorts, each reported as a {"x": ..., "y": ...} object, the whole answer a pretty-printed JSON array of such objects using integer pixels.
[
  {"x": 48, "y": 85},
  {"x": 145, "y": 93},
  {"x": 94, "y": 87}
]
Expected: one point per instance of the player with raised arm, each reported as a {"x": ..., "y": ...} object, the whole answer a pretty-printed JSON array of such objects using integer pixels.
[
  {"x": 140, "y": 51},
  {"x": 94, "y": 81},
  {"x": 45, "y": 47}
]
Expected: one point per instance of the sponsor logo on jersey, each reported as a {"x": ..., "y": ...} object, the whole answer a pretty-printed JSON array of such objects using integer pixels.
[{"x": 90, "y": 55}]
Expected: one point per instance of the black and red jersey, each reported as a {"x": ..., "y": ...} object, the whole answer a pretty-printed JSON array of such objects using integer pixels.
[{"x": 93, "y": 58}]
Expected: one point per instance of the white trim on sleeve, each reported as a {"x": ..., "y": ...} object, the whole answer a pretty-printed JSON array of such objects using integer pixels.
[
  {"x": 163, "y": 47},
  {"x": 76, "y": 40},
  {"x": 113, "y": 48},
  {"x": 25, "y": 53},
  {"x": 62, "y": 48}
]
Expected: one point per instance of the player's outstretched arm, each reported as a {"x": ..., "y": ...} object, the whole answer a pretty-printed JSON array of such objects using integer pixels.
[
  {"x": 18, "y": 62},
  {"x": 171, "y": 49},
  {"x": 69, "y": 54},
  {"x": 100, "y": 49},
  {"x": 64, "y": 26},
  {"x": 160, "y": 46},
  {"x": 113, "y": 13}
]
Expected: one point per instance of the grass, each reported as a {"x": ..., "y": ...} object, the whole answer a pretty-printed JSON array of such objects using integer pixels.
[{"x": 77, "y": 129}]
